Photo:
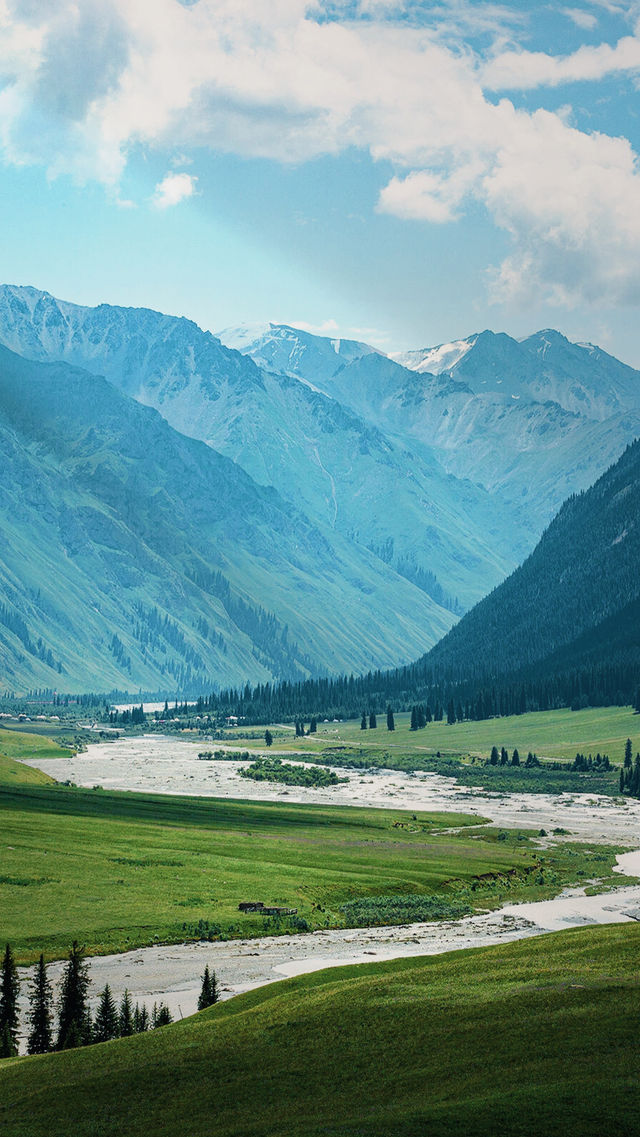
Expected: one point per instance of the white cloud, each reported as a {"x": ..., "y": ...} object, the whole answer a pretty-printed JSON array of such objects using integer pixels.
[
  {"x": 581, "y": 18},
  {"x": 273, "y": 81},
  {"x": 173, "y": 189},
  {"x": 524, "y": 70}
]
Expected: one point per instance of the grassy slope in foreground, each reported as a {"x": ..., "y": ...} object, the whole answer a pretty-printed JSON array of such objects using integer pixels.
[
  {"x": 120, "y": 870},
  {"x": 538, "y": 1036}
]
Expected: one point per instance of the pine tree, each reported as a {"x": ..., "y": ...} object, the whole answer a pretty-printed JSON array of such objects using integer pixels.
[
  {"x": 451, "y": 713},
  {"x": 363, "y": 722},
  {"x": 313, "y": 726},
  {"x": 125, "y": 1016},
  {"x": 414, "y": 718},
  {"x": 494, "y": 756},
  {"x": 515, "y": 758},
  {"x": 160, "y": 1016},
  {"x": 140, "y": 1019},
  {"x": 40, "y": 1038},
  {"x": 622, "y": 779},
  {"x": 9, "y": 988},
  {"x": 73, "y": 1015},
  {"x": 209, "y": 991},
  {"x": 390, "y": 719},
  {"x": 105, "y": 1025},
  {"x": 268, "y": 737},
  {"x": 373, "y": 722},
  {"x": 628, "y": 753},
  {"x": 504, "y": 757}
]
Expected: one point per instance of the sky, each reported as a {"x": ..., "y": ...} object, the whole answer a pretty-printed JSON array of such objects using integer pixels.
[{"x": 402, "y": 173}]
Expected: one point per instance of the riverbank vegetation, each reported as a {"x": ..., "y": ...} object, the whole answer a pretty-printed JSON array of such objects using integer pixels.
[{"x": 290, "y": 774}]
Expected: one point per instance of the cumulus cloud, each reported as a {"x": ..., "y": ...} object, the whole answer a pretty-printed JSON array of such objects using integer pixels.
[
  {"x": 82, "y": 85},
  {"x": 173, "y": 189}
]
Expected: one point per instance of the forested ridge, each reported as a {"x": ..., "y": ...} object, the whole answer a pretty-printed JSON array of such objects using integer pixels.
[{"x": 563, "y": 629}]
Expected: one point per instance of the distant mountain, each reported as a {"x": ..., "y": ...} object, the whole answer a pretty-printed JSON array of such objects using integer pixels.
[
  {"x": 133, "y": 556},
  {"x": 291, "y": 351},
  {"x": 391, "y": 496},
  {"x": 447, "y": 478},
  {"x": 529, "y": 422},
  {"x": 580, "y": 377}
]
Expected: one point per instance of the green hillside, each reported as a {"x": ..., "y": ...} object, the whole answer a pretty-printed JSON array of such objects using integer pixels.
[
  {"x": 538, "y": 1036},
  {"x": 136, "y": 557}
]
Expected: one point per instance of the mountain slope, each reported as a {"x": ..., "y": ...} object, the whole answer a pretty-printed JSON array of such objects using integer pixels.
[
  {"x": 140, "y": 557},
  {"x": 391, "y": 496},
  {"x": 571, "y": 598},
  {"x": 565, "y": 626},
  {"x": 530, "y": 434},
  {"x": 447, "y": 478}
]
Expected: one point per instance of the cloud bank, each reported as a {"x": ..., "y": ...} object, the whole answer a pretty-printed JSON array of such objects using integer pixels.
[{"x": 82, "y": 85}]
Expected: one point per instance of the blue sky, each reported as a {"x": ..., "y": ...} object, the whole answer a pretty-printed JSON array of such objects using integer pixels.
[{"x": 405, "y": 173}]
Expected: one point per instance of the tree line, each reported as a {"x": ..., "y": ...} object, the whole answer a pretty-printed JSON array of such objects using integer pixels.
[{"x": 75, "y": 1024}]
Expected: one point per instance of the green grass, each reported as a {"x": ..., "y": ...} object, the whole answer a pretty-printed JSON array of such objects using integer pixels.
[
  {"x": 538, "y": 1036},
  {"x": 121, "y": 870},
  {"x": 14, "y": 773},
  {"x": 550, "y": 734},
  {"x": 461, "y": 749},
  {"x": 17, "y": 743}
]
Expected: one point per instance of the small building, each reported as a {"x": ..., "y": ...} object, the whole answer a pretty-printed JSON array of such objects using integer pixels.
[{"x": 259, "y": 907}]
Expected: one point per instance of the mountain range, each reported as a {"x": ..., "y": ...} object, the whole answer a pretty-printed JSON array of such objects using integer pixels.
[{"x": 380, "y": 497}]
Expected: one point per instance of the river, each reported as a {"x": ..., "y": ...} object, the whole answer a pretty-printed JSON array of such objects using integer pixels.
[{"x": 172, "y": 973}]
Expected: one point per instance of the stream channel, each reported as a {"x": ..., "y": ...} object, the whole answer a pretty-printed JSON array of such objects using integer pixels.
[{"x": 172, "y": 973}]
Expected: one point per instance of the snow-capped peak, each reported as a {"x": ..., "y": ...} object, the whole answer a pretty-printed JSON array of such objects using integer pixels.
[{"x": 435, "y": 360}]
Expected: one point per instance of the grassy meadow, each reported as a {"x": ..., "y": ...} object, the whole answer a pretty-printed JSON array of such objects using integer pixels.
[
  {"x": 549, "y": 734},
  {"x": 462, "y": 749},
  {"x": 120, "y": 870},
  {"x": 538, "y": 1036}
]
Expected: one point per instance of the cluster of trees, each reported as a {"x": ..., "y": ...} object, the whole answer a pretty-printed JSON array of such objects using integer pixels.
[
  {"x": 75, "y": 1024},
  {"x": 134, "y": 717},
  {"x": 585, "y": 765},
  {"x": 501, "y": 758},
  {"x": 630, "y": 772},
  {"x": 300, "y": 731}
]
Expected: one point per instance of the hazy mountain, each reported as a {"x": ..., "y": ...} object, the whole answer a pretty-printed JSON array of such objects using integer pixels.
[
  {"x": 529, "y": 422},
  {"x": 292, "y": 351},
  {"x": 391, "y": 496},
  {"x": 580, "y": 377},
  {"x": 448, "y": 478},
  {"x": 132, "y": 556}
]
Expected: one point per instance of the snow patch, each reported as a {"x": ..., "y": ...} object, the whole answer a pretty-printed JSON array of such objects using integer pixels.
[{"x": 434, "y": 359}]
